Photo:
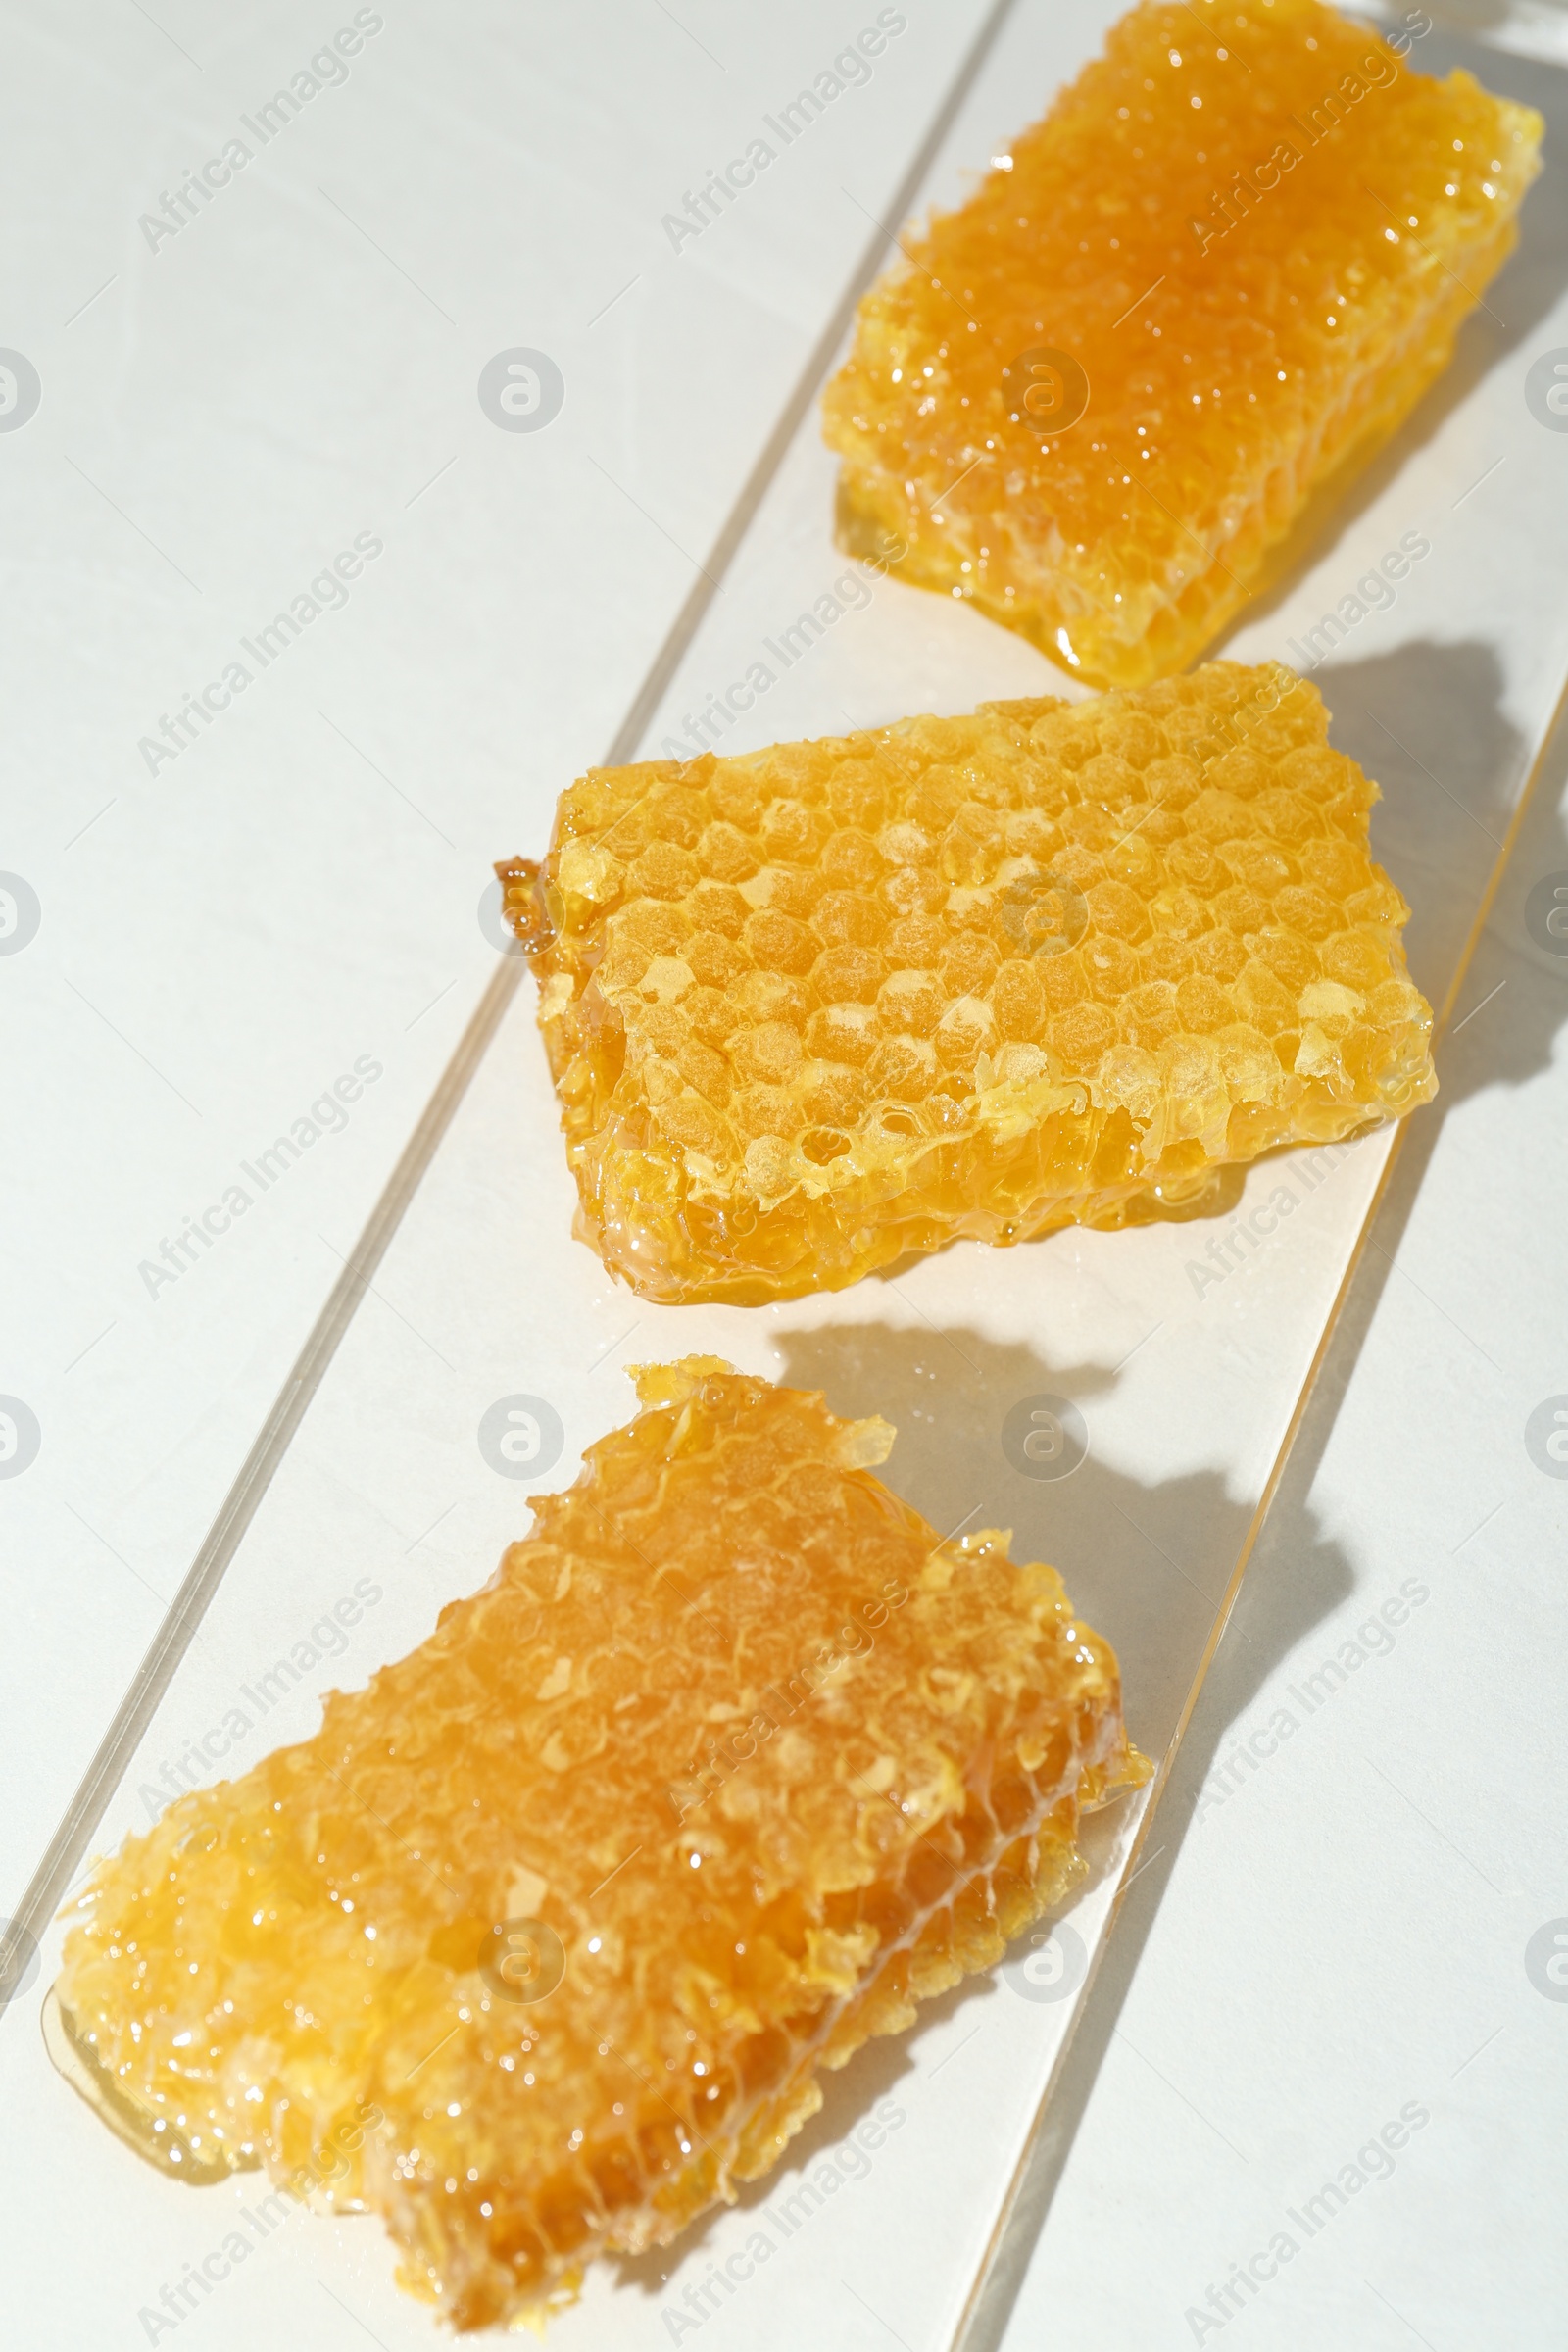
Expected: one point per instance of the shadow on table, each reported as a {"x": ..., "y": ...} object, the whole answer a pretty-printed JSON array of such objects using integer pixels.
[{"x": 1428, "y": 723}]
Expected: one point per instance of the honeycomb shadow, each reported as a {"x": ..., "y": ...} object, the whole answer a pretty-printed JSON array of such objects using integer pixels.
[{"x": 1428, "y": 721}]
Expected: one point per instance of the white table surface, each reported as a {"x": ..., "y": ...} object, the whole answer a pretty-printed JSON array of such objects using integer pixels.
[{"x": 1325, "y": 1933}]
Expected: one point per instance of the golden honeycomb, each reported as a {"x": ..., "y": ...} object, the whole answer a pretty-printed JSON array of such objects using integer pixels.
[
  {"x": 733, "y": 1737},
  {"x": 812, "y": 1007},
  {"x": 1255, "y": 231}
]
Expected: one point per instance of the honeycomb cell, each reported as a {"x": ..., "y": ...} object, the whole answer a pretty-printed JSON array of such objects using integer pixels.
[
  {"x": 1255, "y": 231},
  {"x": 1126, "y": 942},
  {"x": 538, "y": 1947}
]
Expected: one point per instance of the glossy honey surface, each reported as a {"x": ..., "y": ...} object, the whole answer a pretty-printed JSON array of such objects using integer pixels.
[
  {"x": 537, "y": 1947},
  {"x": 1246, "y": 236},
  {"x": 812, "y": 1007}
]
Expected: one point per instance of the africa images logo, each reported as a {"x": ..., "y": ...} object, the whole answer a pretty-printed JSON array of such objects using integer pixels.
[
  {"x": 326, "y": 593},
  {"x": 1546, "y": 390},
  {"x": 521, "y": 390},
  {"x": 20, "y": 390}
]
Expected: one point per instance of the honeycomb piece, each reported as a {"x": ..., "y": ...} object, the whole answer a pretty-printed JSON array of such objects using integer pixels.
[
  {"x": 811, "y": 1007},
  {"x": 732, "y": 1761},
  {"x": 1248, "y": 237}
]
